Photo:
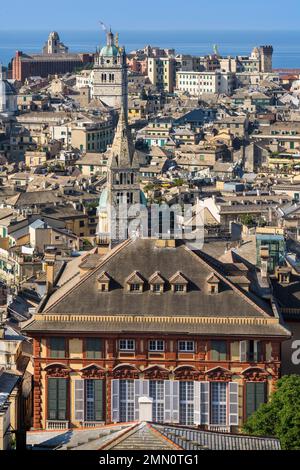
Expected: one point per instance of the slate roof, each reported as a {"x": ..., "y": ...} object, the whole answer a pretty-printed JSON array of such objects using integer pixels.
[
  {"x": 7, "y": 384},
  {"x": 288, "y": 297},
  {"x": 191, "y": 439},
  {"x": 143, "y": 256},
  {"x": 147, "y": 436},
  {"x": 33, "y": 199}
]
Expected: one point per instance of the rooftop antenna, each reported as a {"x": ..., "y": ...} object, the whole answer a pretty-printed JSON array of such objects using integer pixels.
[{"x": 103, "y": 26}]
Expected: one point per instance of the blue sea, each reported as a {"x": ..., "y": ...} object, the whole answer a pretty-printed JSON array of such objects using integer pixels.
[{"x": 286, "y": 43}]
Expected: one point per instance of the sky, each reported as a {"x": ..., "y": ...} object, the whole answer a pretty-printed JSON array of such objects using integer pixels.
[{"x": 150, "y": 14}]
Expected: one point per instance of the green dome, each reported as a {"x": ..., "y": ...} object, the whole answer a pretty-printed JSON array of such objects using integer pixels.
[{"x": 109, "y": 51}]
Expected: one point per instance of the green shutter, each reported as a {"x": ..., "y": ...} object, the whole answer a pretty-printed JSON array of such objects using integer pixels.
[
  {"x": 57, "y": 348},
  {"x": 255, "y": 396},
  {"x": 250, "y": 398},
  {"x": 62, "y": 399},
  {"x": 214, "y": 353},
  {"x": 218, "y": 350},
  {"x": 93, "y": 348},
  {"x": 260, "y": 394},
  {"x": 52, "y": 399},
  {"x": 99, "y": 395},
  {"x": 222, "y": 350}
]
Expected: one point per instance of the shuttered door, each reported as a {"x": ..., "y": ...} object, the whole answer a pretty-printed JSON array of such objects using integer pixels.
[
  {"x": 204, "y": 403},
  {"x": 99, "y": 400},
  {"x": 115, "y": 402},
  {"x": 197, "y": 403},
  {"x": 233, "y": 404},
  {"x": 175, "y": 401},
  {"x": 168, "y": 402},
  {"x": 52, "y": 399},
  {"x": 79, "y": 400},
  {"x": 62, "y": 399}
]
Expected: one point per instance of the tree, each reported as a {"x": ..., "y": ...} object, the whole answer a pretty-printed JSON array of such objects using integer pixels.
[
  {"x": 178, "y": 182},
  {"x": 247, "y": 220},
  {"x": 280, "y": 417}
]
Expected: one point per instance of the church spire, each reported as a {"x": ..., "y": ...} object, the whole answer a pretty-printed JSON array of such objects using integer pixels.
[{"x": 122, "y": 150}]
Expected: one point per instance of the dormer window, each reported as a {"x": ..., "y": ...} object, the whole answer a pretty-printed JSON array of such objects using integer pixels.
[
  {"x": 156, "y": 288},
  {"x": 157, "y": 283},
  {"x": 135, "y": 287},
  {"x": 179, "y": 288},
  {"x": 213, "y": 284},
  {"x": 179, "y": 283},
  {"x": 104, "y": 282},
  {"x": 135, "y": 282}
]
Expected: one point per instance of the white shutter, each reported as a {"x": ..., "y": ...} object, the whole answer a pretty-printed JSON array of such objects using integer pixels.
[
  {"x": 168, "y": 401},
  {"x": 115, "y": 402},
  {"x": 79, "y": 400},
  {"x": 204, "y": 402},
  {"x": 175, "y": 401},
  {"x": 256, "y": 349},
  {"x": 197, "y": 402},
  {"x": 233, "y": 404},
  {"x": 137, "y": 394},
  {"x": 145, "y": 388},
  {"x": 243, "y": 351}
]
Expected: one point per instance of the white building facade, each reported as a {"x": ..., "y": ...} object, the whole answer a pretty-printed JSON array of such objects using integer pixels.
[{"x": 197, "y": 83}]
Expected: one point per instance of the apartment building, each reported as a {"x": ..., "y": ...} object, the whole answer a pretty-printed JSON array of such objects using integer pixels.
[
  {"x": 197, "y": 83},
  {"x": 162, "y": 73}
]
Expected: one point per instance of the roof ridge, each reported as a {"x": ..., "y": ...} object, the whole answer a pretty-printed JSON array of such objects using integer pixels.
[{"x": 161, "y": 435}]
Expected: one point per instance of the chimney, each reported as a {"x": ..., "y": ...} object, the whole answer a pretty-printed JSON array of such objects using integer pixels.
[
  {"x": 264, "y": 257},
  {"x": 50, "y": 258}
]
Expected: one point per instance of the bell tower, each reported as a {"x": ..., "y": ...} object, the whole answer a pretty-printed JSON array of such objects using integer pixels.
[
  {"x": 122, "y": 200},
  {"x": 109, "y": 76}
]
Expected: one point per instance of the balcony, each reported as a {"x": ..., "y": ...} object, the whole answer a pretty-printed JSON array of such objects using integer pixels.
[
  {"x": 219, "y": 428},
  {"x": 57, "y": 425},
  {"x": 92, "y": 424}
]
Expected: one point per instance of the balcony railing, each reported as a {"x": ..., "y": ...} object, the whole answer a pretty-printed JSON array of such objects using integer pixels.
[
  {"x": 218, "y": 428},
  {"x": 92, "y": 424},
  {"x": 57, "y": 425}
]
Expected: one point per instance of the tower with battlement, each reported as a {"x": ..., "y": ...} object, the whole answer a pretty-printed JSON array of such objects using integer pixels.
[{"x": 266, "y": 57}]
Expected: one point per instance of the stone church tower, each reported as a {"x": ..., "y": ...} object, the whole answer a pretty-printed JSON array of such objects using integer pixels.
[
  {"x": 109, "y": 77},
  {"x": 123, "y": 187}
]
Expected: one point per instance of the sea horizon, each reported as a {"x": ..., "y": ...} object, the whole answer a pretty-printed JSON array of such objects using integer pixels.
[{"x": 195, "y": 42}]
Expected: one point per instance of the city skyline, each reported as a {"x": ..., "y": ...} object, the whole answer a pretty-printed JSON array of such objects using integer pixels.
[{"x": 173, "y": 15}]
